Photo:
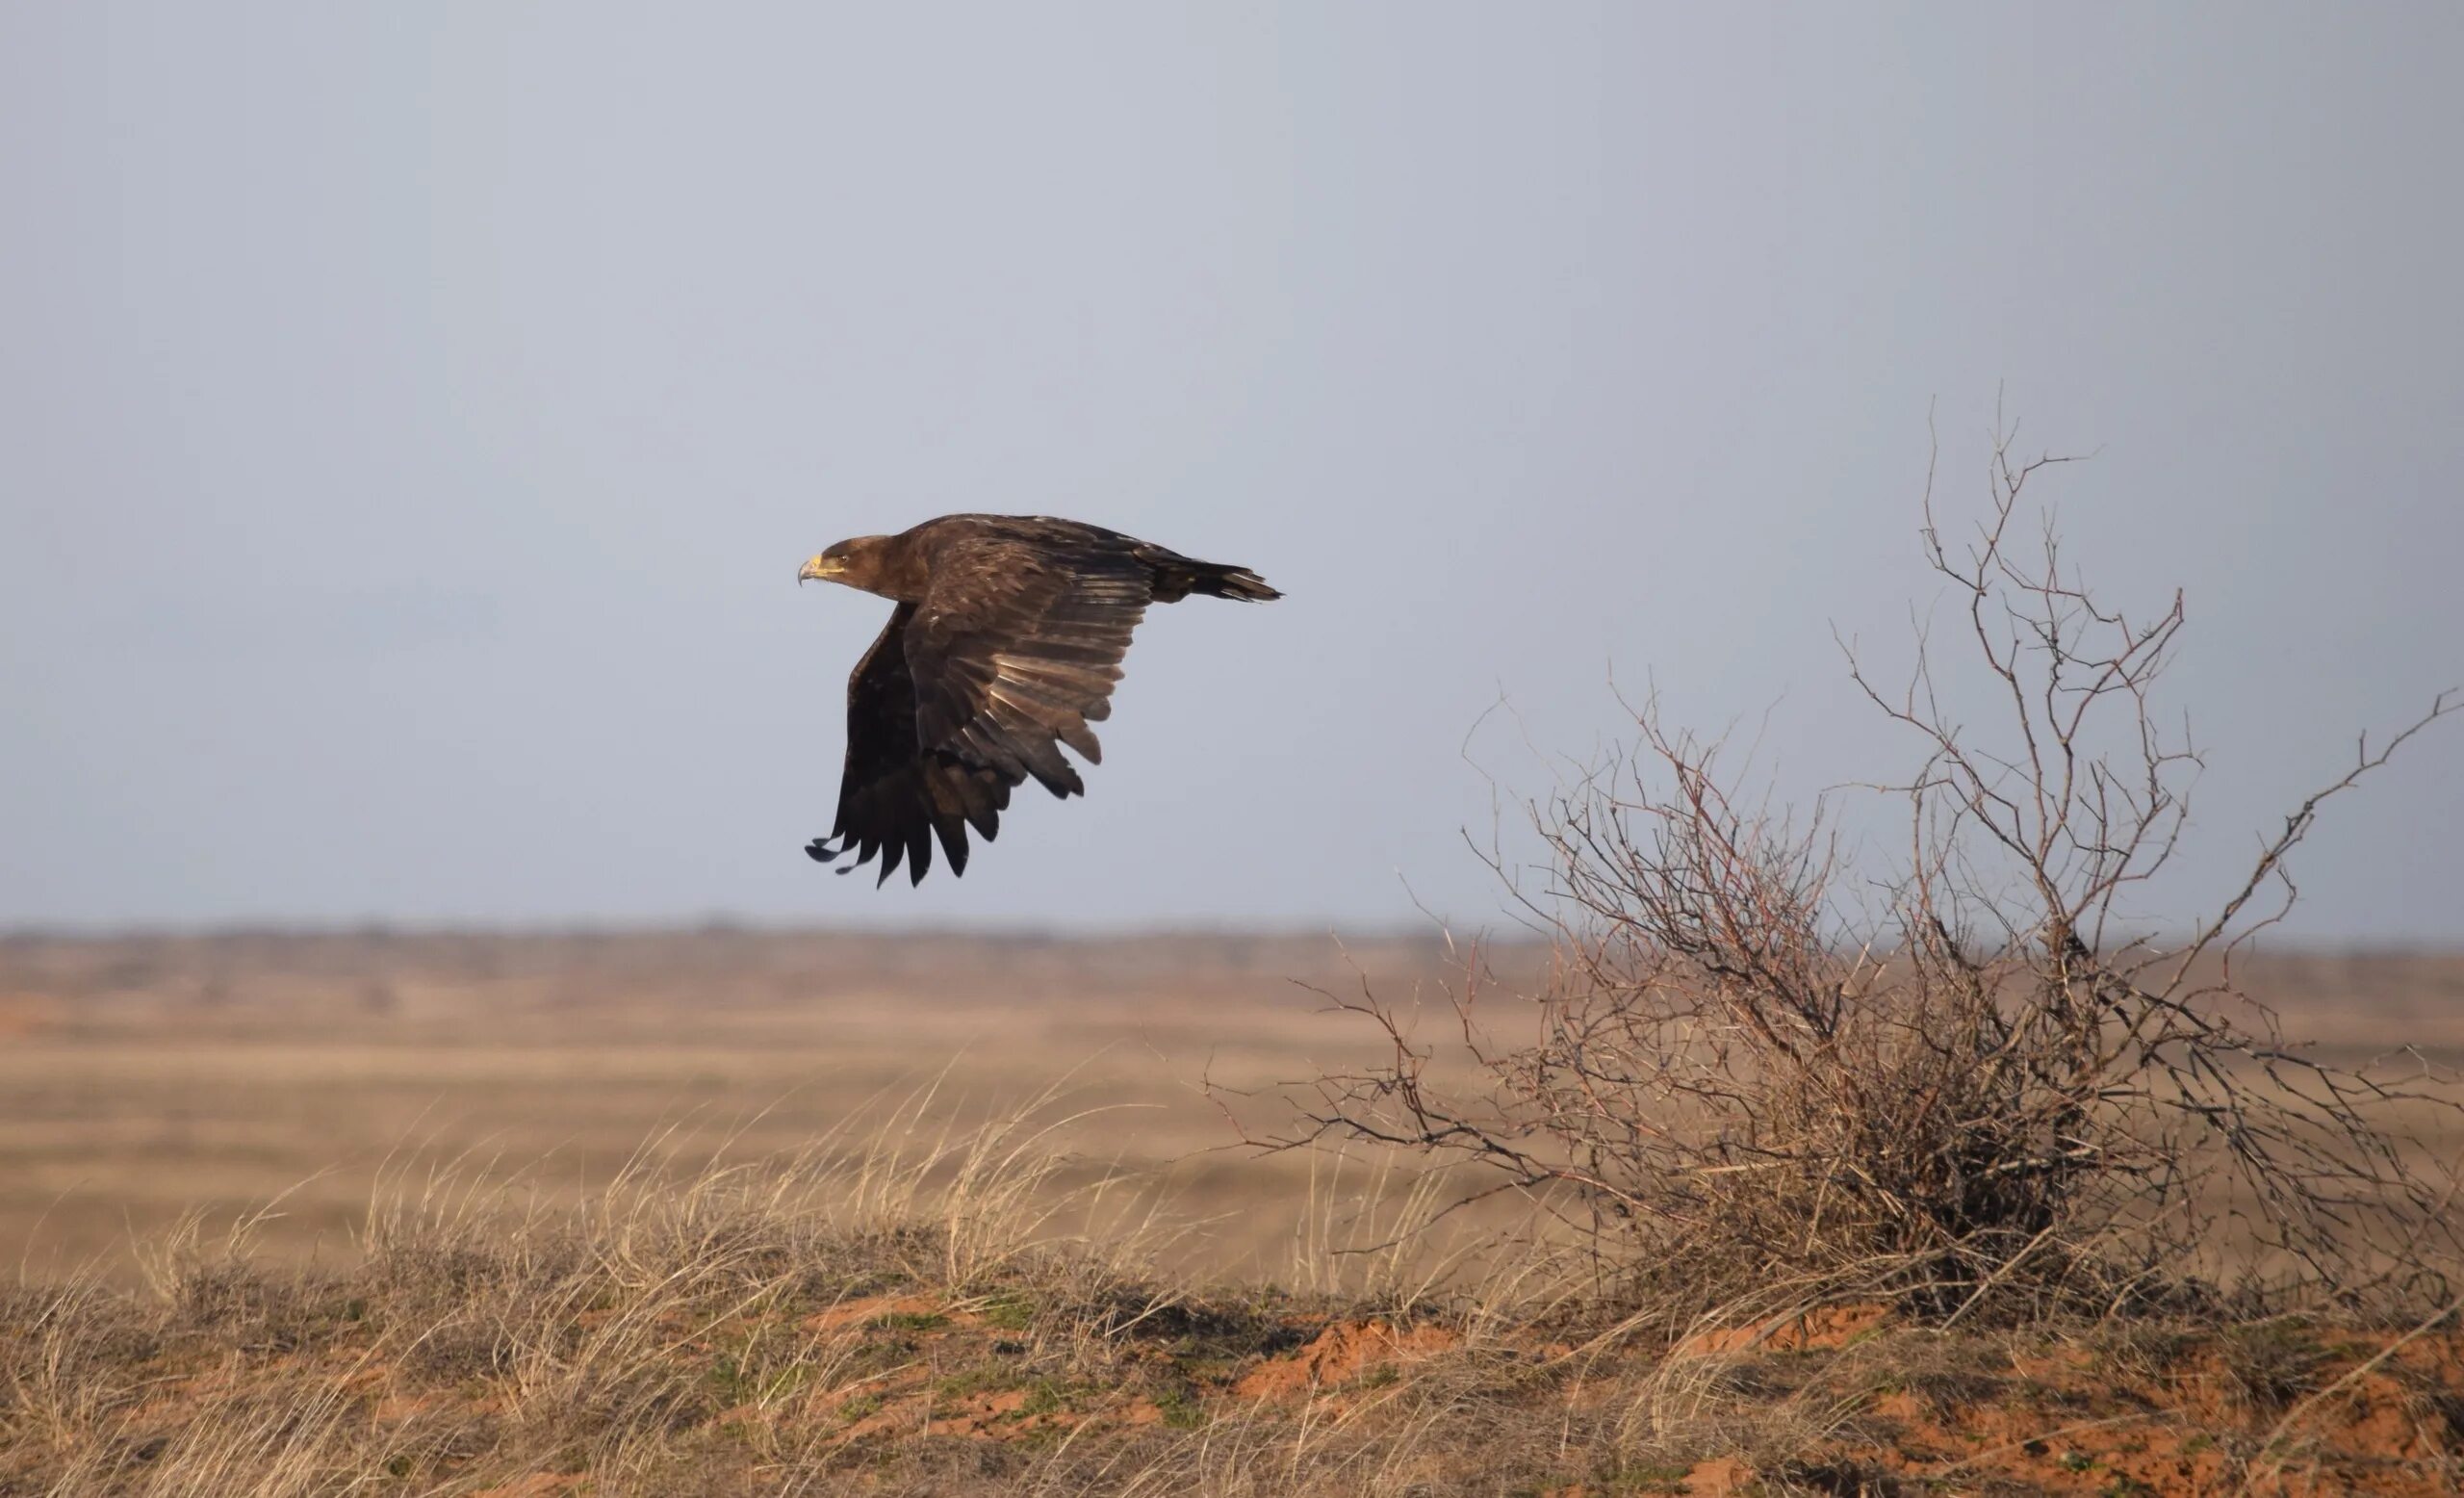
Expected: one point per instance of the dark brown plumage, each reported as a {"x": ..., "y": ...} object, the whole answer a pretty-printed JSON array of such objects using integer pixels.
[{"x": 1005, "y": 642}]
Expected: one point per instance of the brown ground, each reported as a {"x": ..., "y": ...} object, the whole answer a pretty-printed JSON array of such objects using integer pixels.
[
  {"x": 143, "y": 1078},
  {"x": 140, "y": 1079},
  {"x": 766, "y": 1352},
  {"x": 851, "y": 1336}
]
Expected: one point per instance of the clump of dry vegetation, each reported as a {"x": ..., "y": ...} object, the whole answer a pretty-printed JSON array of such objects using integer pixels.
[{"x": 1959, "y": 1077}]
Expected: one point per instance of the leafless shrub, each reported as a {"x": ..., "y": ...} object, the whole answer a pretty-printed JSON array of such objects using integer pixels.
[{"x": 1759, "y": 1074}]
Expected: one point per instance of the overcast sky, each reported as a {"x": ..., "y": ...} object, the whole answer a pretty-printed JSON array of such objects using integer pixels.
[{"x": 412, "y": 418}]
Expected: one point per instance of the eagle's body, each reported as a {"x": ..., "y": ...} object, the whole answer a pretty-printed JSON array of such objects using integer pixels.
[{"x": 1006, "y": 643}]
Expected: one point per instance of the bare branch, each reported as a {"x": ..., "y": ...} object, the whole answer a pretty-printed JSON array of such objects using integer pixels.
[{"x": 1960, "y": 1080}]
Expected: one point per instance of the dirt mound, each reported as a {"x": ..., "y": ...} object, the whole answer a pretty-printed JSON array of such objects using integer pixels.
[
  {"x": 866, "y": 1309},
  {"x": 1825, "y": 1327},
  {"x": 877, "y": 1393},
  {"x": 539, "y": 1485},
  {"x": 1339, "y": 1355}
]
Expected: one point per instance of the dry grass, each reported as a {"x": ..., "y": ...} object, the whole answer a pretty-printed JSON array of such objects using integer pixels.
[
  {"x": 913, "y": 1307},
  {"x": 868, "y": 1288},
  {"x": 873, "y": 1289},
  {"x": 145, "y": 1078}
]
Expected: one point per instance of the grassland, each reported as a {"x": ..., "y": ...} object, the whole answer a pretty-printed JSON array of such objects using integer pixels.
[
  {"x": 144, "y": 1080},
  {"x": 729, "y": 1211}
]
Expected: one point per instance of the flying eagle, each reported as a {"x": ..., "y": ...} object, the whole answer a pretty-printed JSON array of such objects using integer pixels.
[{"x": 1005, "y": 644}]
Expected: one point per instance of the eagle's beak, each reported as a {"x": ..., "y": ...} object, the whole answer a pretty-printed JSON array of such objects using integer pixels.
[{"x": 819, "y": 567}]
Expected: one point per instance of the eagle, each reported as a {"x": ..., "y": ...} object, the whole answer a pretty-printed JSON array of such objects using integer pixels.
[{"x": 1005, "y": 642}]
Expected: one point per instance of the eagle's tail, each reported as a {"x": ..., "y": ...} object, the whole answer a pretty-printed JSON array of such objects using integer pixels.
[{"x": 1177, "y": 577}]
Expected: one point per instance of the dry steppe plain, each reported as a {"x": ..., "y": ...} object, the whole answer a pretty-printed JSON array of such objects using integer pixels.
[
  {"x": 256, "y": 1186},
  {"x": 143, "y": 1080}
]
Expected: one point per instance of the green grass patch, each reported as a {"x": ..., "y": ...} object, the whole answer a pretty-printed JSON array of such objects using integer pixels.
[{"x": 1010, "y": 1314}]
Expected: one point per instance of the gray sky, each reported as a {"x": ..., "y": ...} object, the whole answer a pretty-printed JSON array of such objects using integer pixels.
[{"x": 412, "y": 415}]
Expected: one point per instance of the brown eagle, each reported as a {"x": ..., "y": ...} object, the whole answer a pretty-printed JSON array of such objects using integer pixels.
[{"x": 1005, "y": 645}]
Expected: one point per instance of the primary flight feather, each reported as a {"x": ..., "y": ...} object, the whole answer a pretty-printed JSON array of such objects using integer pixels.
[{"x": 1005, "y": 644}]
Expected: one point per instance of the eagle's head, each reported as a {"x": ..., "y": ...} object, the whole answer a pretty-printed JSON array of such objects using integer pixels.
[{"x": 855, "y": 563}]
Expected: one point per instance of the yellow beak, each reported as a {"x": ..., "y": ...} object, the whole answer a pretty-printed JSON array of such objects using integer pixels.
[{"x": 819, "y": 567}]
